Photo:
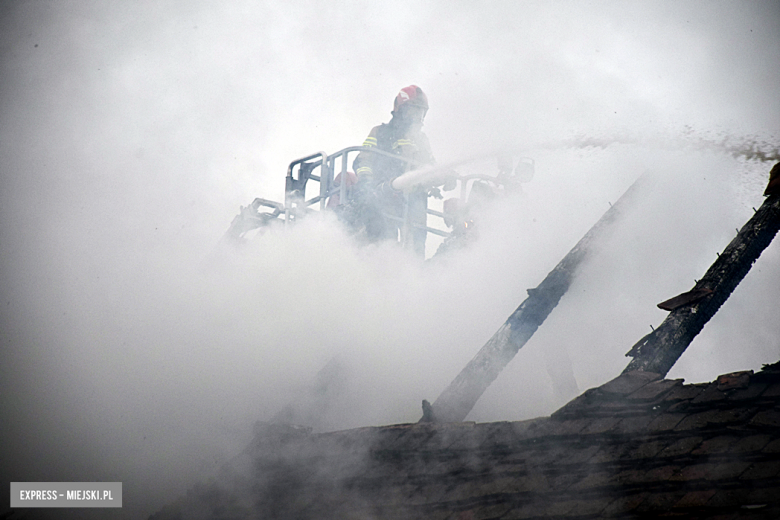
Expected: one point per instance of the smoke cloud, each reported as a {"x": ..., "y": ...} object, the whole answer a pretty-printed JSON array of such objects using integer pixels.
[{"x": 133, "y": 350}]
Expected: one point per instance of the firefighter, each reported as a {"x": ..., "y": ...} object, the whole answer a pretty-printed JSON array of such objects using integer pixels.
[{"x": 402, "y": 136}]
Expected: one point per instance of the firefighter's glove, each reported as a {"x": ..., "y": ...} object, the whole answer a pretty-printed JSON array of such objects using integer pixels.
[
  {"x": 435, "y": 193},
  {"x": 364, "y": 189}
]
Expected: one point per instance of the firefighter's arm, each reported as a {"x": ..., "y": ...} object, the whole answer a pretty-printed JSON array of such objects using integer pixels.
[
  {"x": 364, "y": 162},
  {"x": 424, "y": 152},
  {"x": 447, "y": 179}
]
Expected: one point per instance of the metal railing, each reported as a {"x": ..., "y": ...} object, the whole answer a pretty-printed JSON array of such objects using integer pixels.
[
  {"x": 300, "y": 171},
  {"x": 321, "y": 168}
]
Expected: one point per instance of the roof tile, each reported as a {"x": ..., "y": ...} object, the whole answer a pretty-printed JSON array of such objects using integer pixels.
[
  {"x": 535, "y": 482},
  {"x": 643, "y": 450},
  {"x": 546, "y": 454},
  {"x": 712, "y": 471},
  {"x": 735, "y": 415},
  {"x": 754, "y": 390},
  {"x": 616, "y": 407},
  {"x": 628, "y": 425},
  {"x": 666, "y": 421},
  {"x": 680, "y": 407},
  {"x": 525, "y": 429},
  {"x": 693, "y": 472},
  {"x": 660, "y": 474},
  {"x": 734, "y": 380},
  {"x": 695, "y": 498},
  {"x": 710, "y": 394},
  {"x": 513, "y": 461},
  {"x": 563, "y": 427},
  {"x": 772, "y": 391},
  {"x": 559, "y": 507},
  {"x": 600, "y": 425},
  {"x": 468, "y": 441},
  {"x": 582, "y": 455},
  {"x": 629, "y": 382},
  {"x": 453, "y": 434},
  {"x": 415, "y": 494},
  {"x": 608, "y": 453},
  {"x": 630, "y": 475},
  {"x": 772, "y": 447},
  {"x": 767, "y": 418},
  {"x": 477, "y": 487},
  {"x": 433, "y": 494},
  {"x": 502, "y": 434},
  {"x": 718, "y": 444},
  {"x": 684, "y": 392},
  {"x": 502, "y": 484},
  {"x": 729, "y": 515},
  {"x": 588, "y": 508},
  {"x": 486, "y": 512},
  {"x": 562, "y": 482},
  {"x": 696, "y": 421},
  {"x": 761, "y": 470},
  {"x": 590, "y": 402},
  {"x": 415, "y": 438},
  {"x": 764, "y": 495},
  {"x": 702, "y": 419},
  {"x": 536, "y": 429},
  {"x": 655, "y": 389},
  {"x": 522, "y": 512},
  {"x": 681, "y": 447},
  {"x": 593, "y": 480},
  {"x": 431, "y": 515},
  {"x": 660, "y": 501},
  {"x": 638, "y": 475},
  {"x": 727, "y": 498},
  {"x": 750, "y": 444},
  {"x": 624, "y": 504}
]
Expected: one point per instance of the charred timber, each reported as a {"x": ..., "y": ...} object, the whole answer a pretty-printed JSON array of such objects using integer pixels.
[
  {"x": 659, "y": 351},
  {"x": 457, "y": 400}
]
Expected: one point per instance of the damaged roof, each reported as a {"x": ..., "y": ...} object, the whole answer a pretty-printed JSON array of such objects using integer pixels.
[{"x": 637, "y": 446}]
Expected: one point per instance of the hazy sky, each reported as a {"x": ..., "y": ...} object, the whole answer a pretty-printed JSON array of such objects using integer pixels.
[{"x": 131, "y": 132}]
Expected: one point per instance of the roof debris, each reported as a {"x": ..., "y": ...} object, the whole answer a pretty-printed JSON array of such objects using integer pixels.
[
  {"x": 637, "y": 446},
  {"x": 684, "y": 299}
]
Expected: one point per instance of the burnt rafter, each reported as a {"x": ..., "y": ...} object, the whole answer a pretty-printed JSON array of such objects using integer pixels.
[
  {"x": 659, "y": 351},
  {"x": 457, "y": 400}
]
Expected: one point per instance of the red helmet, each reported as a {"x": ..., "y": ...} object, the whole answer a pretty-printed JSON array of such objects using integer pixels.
[{"x": 411, "y": 95}]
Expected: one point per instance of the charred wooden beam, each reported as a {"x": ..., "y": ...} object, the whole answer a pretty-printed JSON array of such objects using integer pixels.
[
  {"x": 659, "y": 351},
  {"x": 457, "y": 400}
]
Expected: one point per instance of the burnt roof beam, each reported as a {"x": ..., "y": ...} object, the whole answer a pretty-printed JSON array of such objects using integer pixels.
[
  {"x": 457, "y": 400},
  {"x": 659, "y": 351}
]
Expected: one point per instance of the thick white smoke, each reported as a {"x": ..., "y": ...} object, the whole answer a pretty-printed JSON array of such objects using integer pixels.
[{"x": 131, "y": 133}]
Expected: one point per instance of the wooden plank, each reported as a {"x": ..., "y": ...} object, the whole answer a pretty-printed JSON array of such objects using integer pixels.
[
  {"x": 659, "y": 351},
  {"x": 457, "y": 400},
  {"x": 684, "y": 299}
]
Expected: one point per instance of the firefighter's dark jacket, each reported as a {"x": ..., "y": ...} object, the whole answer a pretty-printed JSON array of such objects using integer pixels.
[{"x": 409, "y": 143}]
